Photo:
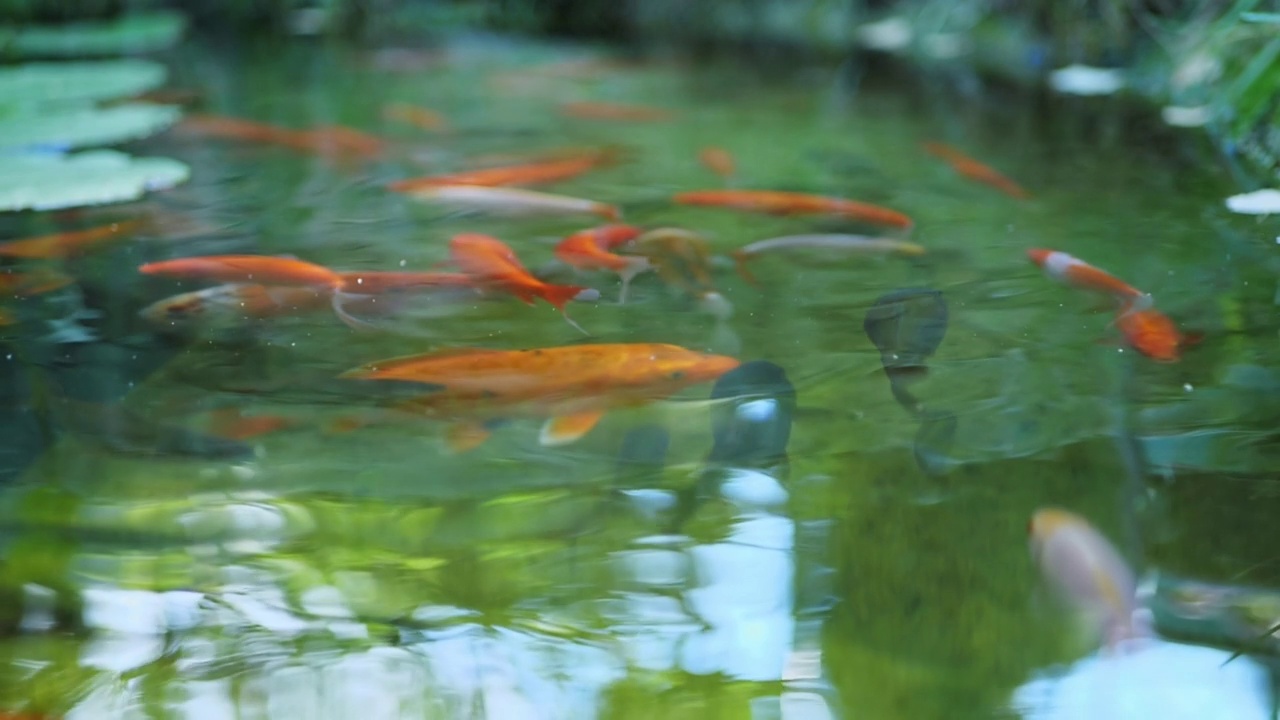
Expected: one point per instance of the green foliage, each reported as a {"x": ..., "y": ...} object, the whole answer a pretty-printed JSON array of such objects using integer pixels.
[
  {"x": 84, "y": 127},
  {"x": 51, "y": 182},
  {"x": 133, "y": 34},
  {"x": 79, "y": 82}
]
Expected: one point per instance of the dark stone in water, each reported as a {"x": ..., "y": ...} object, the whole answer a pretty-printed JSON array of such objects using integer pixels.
[
  {"x": 907, "y": 326},
  {"x": 643, "y": 451},
  {"x": 753, "y": 429}
]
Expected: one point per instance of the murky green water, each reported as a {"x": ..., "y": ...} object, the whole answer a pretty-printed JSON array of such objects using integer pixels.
[{"x": 370, "y": 574}]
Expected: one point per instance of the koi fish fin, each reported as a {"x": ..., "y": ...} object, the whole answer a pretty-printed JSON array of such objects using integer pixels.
[
  {"x": 1139, "y": 304},
  {"x": 339, "y": 298},
  {"x": 565, "y": 429},
  {"x": 559, "y": 295},
  {"x": 740, "y": 264},
  {"x": 466, "y": 436},
  {"x": 609, "y": 212},
  {"x": 1192, "y": 338}
]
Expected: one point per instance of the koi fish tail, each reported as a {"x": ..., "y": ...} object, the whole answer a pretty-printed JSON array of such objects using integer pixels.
[
  {"x": 339, "y": 299},
  {"x": 740, "y": 259},
  {"x": 560, "y": 295}
]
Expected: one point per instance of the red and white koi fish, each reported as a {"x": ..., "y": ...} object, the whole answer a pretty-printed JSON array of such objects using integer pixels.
[{"x": 1077, "y": 273}]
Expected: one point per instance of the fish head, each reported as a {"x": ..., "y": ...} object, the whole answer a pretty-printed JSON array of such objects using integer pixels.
[
  {"x": 1039, "y": 256},
  {"x": 1044, "y": 523},
  {"x": 677, "y": 367}
]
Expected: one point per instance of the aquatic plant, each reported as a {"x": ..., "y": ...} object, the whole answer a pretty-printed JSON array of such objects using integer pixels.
[
  {"x": 143, "y": 32},
  {"x": 47, "y": 182}
]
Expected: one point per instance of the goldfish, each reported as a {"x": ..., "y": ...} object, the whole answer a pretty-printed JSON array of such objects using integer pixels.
[
  {"x": 230, "y": 305},
  {"x": 493, "y": 264},
  {"x": 789, "y": 203},
  {"x": 572, "y": 386},
  {"x": 1153, "y": 334},
  {"x": 231, "y": 423},
  {"x": 246, "y": 130},
  {"x": 1087, "y": 571},
  {"x": 262, "y": 269},
  {"x": 589, "y": 250},
  {"x": 531, "y": 173},
  {"x": 66, "y": 244},
  {"x": 339, "y": 140},
  {"x": 1080, "y": 274},
  {"x": 718, "y": 161},
  {"x": 511, "y": 201},
  {"x": 329, "y": 140},
  {"x": 374, "y": 282},
  {"x": 613, "y": 111},
  {"x": 833, "y": 243},
  {"x": 421, "y": 118},
  {"x": 30, "y": 283},
  {"x": 975, "y": 170}
]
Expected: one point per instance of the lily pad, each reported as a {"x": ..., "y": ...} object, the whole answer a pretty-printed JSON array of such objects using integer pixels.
[
  {"x": 40, "y": 83},
  {"x": 85, "y": 126},
  {"x": 97, "y": 177},
  {"x": 135, "y": 34}
]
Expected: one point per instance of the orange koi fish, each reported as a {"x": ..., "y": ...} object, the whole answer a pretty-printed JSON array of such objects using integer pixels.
[
  {"x": 589, "y": 250},
  {"x": 339, "y": 140},
  {"x": 329, "y": 140},
  {"x": 231, "y": 423},
  {"x": 1086, "y": 571},
  {"x": 1153, "y": 334},
  {"x": 1079, "y": 274},
  {"x": 67, "y": 244},
  {"x": 419, "y": 117},
  {"x": 231, "y": 305},
  {"x": 246, "y": 130},
  {"x": 493, "y": 264},
  {"x": 511, "y": 201},
  {"x": 974, "y": 170},
  {"x": 36, "y": 282},
  {"x": 534, "y": 173},
  {"x": 718, "y": 161},
  {"x": 376, "y": 282},
  {"x": 259, "y": 269},
  {"x": 572, "y": 386},
  {"x": 789, "y": 203},
  {"x": 613, "y": 111}
]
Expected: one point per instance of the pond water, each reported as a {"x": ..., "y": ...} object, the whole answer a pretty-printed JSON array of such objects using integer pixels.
[{"x": 879, "y": 570}]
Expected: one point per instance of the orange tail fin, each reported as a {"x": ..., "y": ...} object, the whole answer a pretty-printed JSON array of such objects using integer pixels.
[{"x": 560, "y": 295}]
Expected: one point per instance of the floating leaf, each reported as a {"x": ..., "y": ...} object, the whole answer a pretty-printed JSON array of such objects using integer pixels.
[
  {"x": 36, "y": 83},
  {"x": 50, "y": 182},
  {"x": 133, "y": 34},
  {"x": 85, "y": 126}
]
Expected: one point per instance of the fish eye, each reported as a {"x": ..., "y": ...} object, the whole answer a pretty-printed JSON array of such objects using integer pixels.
[{"x": 677, "y": 375}]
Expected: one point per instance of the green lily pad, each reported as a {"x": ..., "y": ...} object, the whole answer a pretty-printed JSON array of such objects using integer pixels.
[
  {"x": 135, "y": 34},
  {"x": 84, "y": 126},
  {"x": 41, "y": 83},
  {"x": 97, "y": 177}
]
